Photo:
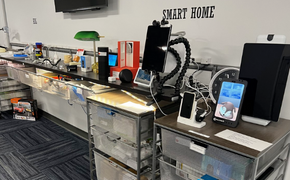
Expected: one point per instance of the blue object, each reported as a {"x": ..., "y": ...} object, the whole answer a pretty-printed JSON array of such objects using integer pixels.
[
  {"x": 83, "y": 62},
  {"x": 20, "y": 55},
  {"x": 208, "y": 177},
  {"x": 80, "y": 96},
  {"x": 113, "y": 59}
]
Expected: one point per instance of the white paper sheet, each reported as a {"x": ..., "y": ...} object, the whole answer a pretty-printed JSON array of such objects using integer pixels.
[{"x": 243, "y": 140}]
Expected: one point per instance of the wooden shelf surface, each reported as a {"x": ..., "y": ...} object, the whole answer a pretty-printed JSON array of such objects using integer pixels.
[{"x": 271, "y": 133}]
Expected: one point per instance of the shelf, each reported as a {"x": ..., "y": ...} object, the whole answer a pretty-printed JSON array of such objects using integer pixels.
[
  {"x": 274, "y": 171},
  {"x": 272, "y": 133},
  {"x": 109, "y": 167},
  {"x": 87, "y": 76}
]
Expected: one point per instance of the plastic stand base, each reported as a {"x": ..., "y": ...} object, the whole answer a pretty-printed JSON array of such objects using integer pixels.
[
  {"x": 254, "y": 120},
  {"x": 191, "y": 122}
]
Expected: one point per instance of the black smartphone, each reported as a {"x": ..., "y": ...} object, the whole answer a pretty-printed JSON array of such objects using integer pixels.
[
  {"x": 186, "y": 110},
  {"x": 229, "y": 102}
]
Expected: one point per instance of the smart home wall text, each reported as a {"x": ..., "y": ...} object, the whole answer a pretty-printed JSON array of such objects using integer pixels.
[{"x": 195, "y": 13}]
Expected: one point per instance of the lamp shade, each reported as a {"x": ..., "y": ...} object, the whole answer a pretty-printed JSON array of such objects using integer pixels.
[{"x": 87, "y": 36}]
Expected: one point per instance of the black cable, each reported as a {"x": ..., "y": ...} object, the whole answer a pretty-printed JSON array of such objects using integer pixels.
[
  {"x": 69, "y": 102},
  {"x": 51, "y": 62},
  {"x": 172, "y": 73},
  {"x": 186, "y": 63}
]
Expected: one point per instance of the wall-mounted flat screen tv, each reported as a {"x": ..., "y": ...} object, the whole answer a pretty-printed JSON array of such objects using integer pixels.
[{"x": 68, "y": 6}]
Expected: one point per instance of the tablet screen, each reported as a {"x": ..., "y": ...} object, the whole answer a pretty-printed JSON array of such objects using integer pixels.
[
  {"x": 142, "y": 77},
  {"x": 229, "y": 100}
]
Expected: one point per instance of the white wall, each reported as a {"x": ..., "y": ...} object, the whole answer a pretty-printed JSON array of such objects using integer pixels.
[
  {"x": 73, "y": 114},
  {"x": 221, "y": 38}
]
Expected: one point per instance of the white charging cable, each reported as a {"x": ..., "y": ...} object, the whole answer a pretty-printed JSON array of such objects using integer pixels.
[
  {"x": 205, "y": 100},
  {"x": 156, "y": 102}
]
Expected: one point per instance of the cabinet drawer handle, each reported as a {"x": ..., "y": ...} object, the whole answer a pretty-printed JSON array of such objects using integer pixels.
[{"x": 112, "y": 139}]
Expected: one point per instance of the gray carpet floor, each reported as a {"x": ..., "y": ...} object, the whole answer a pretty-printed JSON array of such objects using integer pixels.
[{"x": 40, "y": 150}]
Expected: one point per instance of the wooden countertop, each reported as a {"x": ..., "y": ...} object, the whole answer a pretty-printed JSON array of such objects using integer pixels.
[
  {"x": 118, "y": 97},
  {"x": 271, "y": 133}
]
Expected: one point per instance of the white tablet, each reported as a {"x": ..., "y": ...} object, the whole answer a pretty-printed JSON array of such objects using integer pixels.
[{"x": 143, "y": 79}]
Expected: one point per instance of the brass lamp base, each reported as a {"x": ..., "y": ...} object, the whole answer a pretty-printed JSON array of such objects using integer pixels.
[{"x": 95, "y": 68}]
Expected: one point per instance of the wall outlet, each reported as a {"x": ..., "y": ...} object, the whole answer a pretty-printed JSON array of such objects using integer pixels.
[
  {"x": 34, "y": 20},
  {"x": 203, "y": 60}
]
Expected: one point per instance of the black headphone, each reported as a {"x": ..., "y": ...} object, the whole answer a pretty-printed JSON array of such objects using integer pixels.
[{"x": 200, "y": 115}]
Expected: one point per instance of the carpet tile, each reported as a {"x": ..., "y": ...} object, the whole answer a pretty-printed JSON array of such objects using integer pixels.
[
  {"x": 5, "y": 145},
  {"x": 71, "y": 170},
  {"x": 41, "y": 150},
  {"x": 16, "y": 167}
]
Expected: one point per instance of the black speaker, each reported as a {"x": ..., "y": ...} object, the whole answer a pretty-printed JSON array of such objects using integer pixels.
[
  {"x": 104, "y": 69},
  {"x": 126, "y": 76},
  {"x": 266, "y": 68}
]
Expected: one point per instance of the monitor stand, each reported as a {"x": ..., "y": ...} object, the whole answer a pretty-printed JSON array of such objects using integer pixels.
[{"x": 254, "y": 120}]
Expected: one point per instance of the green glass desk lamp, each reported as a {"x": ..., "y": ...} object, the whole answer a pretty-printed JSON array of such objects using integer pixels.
[{"x": 90, "y": 36}]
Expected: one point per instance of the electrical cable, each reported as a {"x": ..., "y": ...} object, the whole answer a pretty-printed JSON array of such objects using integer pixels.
[
  {"x": 156, "y": 103},
  {"x": 205, "y": 100},
  {"x": 83, "y": 109},
  {"x": 69, "y": 102},
  {"x": 193, "y": 61},
  {"x": 51, "y": 62},
  {"x": 183, "y": 82}
]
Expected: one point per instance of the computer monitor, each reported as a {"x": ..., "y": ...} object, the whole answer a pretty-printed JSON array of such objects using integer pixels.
[
  {"x": 155, "y": 51},
  {"x": 265, "y": 67},
  {"x": 113, "y": 59}
]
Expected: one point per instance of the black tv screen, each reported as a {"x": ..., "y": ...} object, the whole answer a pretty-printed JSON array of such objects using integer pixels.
[{"x": 77, "y": 5}]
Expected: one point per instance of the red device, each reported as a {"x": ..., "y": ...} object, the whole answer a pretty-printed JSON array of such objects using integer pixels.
[
  {"x": 128, "y": 58},
  {"x": 114, "y": 71}
]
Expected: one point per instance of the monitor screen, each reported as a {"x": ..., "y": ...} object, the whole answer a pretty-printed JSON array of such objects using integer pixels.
[
  {"x": 77, "y": 5},
  {"x": 113, "y": 59},
  {"x": 155, "y": 51}
]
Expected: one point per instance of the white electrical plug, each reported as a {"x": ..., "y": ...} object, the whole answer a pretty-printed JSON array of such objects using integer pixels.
[{"x": 157, "y": 139}]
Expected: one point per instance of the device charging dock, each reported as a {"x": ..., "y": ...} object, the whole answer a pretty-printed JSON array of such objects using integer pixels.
[{"x": 191, "y": 121}]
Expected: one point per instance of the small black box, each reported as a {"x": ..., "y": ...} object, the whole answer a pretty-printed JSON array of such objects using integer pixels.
[
  {"x": 72, "y": 68},
  {"x": 104, "y": 69}
]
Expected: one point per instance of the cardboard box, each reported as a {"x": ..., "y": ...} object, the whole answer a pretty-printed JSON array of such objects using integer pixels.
[
  {"x": 24, "y": 109},
  {"x": 86, "y": 63}
]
